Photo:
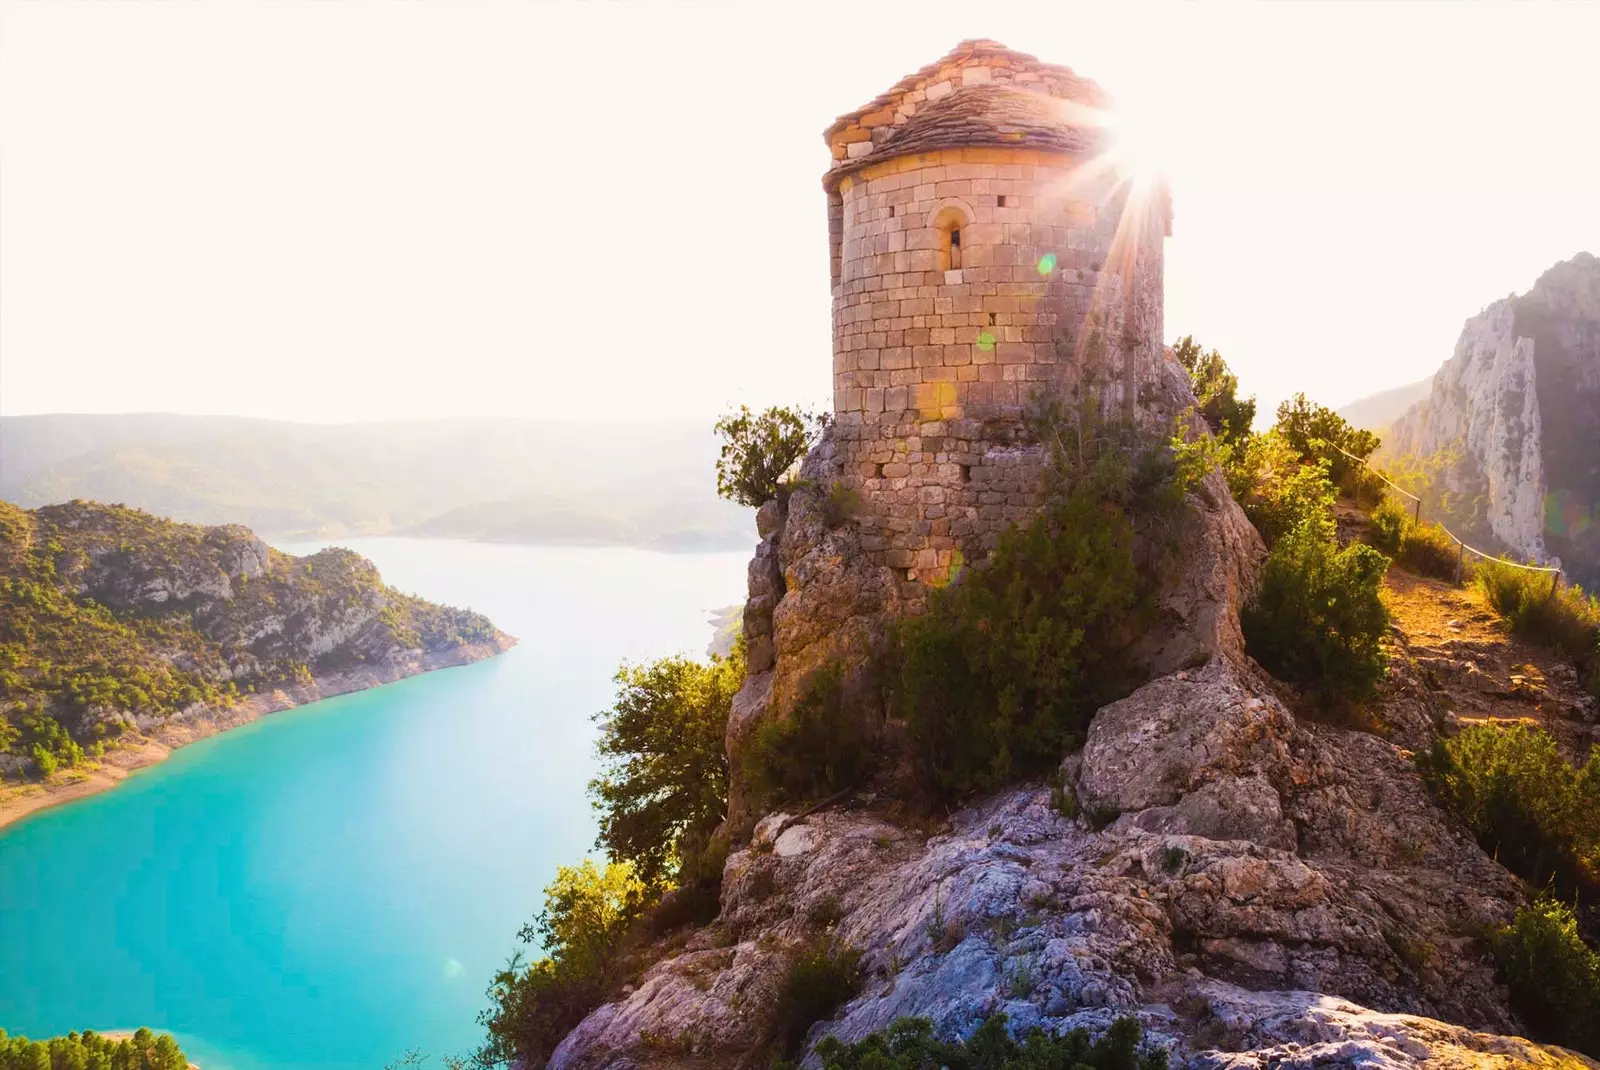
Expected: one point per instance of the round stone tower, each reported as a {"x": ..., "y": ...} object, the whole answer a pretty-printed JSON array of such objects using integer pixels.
[{"x": 988, "y": 250}]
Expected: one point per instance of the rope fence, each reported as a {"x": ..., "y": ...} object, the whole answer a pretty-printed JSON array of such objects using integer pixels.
[{"x": 1462, "y": 548}]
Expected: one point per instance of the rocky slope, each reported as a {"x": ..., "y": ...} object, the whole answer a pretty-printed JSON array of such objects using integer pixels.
[
  {"x": 1258, "y": 888},
  {"x": 1518, "y": 407},
  {"x": 124, "y": 630}
]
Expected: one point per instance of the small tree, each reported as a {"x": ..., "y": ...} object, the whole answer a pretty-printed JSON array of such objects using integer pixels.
[
  {"x": 757, "y": 451},
  {"x": 1318, "y": 618},
  {"x": 664, "y": 777},
  {"x": 582, "y": 929},
  {"x": 1216, "y": 388},
  {"x": 1316, "y": 432}
]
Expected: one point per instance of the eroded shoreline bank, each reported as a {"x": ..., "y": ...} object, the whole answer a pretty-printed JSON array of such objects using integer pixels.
[{"x": 141, "y": 752}]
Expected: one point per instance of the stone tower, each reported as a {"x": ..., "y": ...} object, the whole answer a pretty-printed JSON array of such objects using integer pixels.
[{"x": 987, "y": 248}]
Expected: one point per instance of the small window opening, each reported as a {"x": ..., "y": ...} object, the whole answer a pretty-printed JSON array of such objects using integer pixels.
[
  {"x": 891, "y": 211},
  {"x": 948, "y": 224},
  {"x": 878, "y": 470},
  {"x": 966, "y": 473},
  {"x": 1002, "y": 200},
  {"x": 991, "y": 319}
]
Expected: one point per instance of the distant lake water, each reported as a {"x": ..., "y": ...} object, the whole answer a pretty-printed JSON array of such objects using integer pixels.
[{"x": 333, "y": 886}]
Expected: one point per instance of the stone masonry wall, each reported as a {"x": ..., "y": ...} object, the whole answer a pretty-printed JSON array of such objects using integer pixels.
[{"x": 934, "y": 366}]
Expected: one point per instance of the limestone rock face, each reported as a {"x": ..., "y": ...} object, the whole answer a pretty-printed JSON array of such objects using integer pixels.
[
  {"x": 1229, "y": 950},
  {"x": 814, "y": 597},
  {"x": 1520, "y": 402}
]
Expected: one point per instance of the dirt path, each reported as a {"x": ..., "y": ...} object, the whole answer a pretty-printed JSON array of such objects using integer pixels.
[{"x": 1452, "y": 643}]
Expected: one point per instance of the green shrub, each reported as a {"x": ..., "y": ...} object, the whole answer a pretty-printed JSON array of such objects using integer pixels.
[
  {"x": 1564, "y": 618},
  {"x": 664, "y": 769},
  {"x": 822, "y": 976},
  {"x": 1553, "y": 976},
  {"x": 91, "y": 1051},
  {"x": 758, "y": 451},
  {"x": 1317, "y": 433},
  {"x": 1004, "y": 669},
  {"x": 1428, "y": 550},
  {"x": 909, "y": 1044},
  {"x": 1318, "y": 618},
  {"x": 1216, "y": 389},
  {"x": 44, "y": 763},
  {"x": 582, "y": 932},
  {"x": 1388, "y": 524},
  {"x": 818, "y": 750},
  {"x": 1276, "y": 490},
  {"x": 1529, "y": 808},
  {"x": 1425, "y": 549}
]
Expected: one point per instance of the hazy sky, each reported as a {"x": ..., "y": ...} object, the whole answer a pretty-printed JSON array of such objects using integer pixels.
[{"x": 351, "y": 210}]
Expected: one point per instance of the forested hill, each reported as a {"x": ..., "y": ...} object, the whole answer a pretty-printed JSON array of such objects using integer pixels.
[
  {"x": 639, "y": 483},
  {"x": 114, "y": 622}
]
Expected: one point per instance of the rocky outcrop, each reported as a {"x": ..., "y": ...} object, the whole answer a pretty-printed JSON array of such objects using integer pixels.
[
  {"x": 1516, "y": 410},
  {"x": 814, "y": 597},
  {"x": 1259, "y": 890}
]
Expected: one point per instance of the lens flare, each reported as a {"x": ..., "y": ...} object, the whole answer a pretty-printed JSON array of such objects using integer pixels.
[{"x": 1047, "y": 263}]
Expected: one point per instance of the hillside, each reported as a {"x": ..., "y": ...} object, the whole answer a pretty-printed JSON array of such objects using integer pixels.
[
  {"x": 1509, "y": 424},
  {"x": 643, "y": 483},
  {"x": 122, "y": 634},
  {"x": 1377, "y": 411}
]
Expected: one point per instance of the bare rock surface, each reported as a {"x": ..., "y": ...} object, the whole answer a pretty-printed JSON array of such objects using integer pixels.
[{"x": 1270, "y": 892}]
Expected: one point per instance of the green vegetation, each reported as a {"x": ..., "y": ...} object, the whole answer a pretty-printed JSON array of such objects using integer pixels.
[
  {"x": 1317, "y": 433},
  {"x": 1554, "y": 977},
  {"x": 758, "y": 451},
  {"x": 107, "y": 613},
  {"x": 909, "y": 1044},
  {"x": 1452, "y": 490},
  {"x": 582, "y": 932},
  {"x": 822, "y": 976},
  {"x": 664, "y": 779},
  {"x": 1426, "y": 549},
  {"x": 661, "y": 793},
  {"x": 1526, "y": 805},
  {"x": 1004, "y": 669},
  {"x": 91, "y": 1051},
  {"x": 1562, "y": 617},
  {"x": 1276, "y": 490},
  {"x": 818, "y": 750},
  {"x": 1216, "y": 389},
  {"x": 1317, "y": 619}
]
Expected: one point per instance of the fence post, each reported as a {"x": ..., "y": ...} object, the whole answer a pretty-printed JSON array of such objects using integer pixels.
[
  {"x": 1461, "y": 560},
  {"x": 1416, "y": 513},
  {"x": 1555, "y": 585}
]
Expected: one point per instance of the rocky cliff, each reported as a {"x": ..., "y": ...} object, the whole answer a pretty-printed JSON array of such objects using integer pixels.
[
  {"x": 124, "y": 630},
  {"x": 1517, "y": 409},
  {"x": 1259, "y": 889}
]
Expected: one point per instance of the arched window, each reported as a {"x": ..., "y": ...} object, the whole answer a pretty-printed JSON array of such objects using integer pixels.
[{"x": 948, "y": 221}]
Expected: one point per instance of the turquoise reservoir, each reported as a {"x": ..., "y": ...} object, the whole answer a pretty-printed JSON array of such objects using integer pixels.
[{"x": 334, "y": 886}]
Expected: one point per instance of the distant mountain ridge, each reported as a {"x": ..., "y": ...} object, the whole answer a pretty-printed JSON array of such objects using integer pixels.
[
  {"x": 1376, "y": 412},
  {"x": 642, "y": 483}
]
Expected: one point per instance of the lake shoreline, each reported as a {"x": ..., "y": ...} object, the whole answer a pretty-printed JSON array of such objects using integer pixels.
[{"x": 144, "y": 751}]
